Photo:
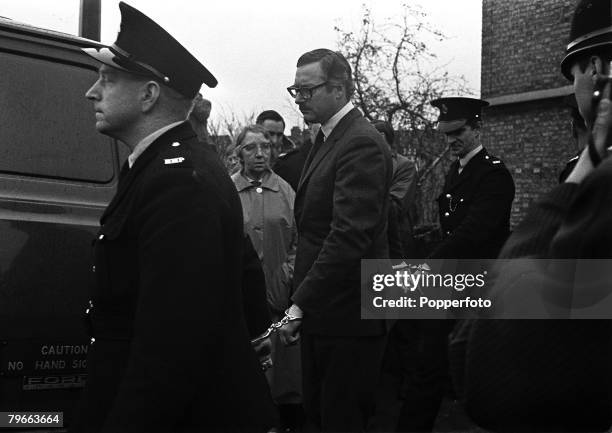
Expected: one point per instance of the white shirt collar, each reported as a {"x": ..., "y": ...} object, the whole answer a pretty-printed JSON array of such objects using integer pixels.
[
  {"x": 329, "y": 126},
  {"x": 146, "y": 142},
  {"x": 463, "y": 161}
]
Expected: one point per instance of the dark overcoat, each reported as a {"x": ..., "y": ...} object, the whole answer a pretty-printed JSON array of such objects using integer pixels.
[
  {"x": 171, "y": 350},
  {"x": 341, "y": 214},
  {"x": 549, "y": 375},
  {"x": 475, "y": 209}
]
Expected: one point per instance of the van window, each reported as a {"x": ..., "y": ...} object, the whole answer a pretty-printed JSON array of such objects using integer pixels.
[{"x": 47, "y": 126}]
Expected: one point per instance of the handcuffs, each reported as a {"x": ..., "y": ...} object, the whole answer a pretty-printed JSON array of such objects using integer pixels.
[
  {"x": 267, "y": 363},
  {"x": 275, "y": 326}
]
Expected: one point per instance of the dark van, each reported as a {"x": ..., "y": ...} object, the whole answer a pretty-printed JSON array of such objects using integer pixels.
[{"x": 56, "y": 176}]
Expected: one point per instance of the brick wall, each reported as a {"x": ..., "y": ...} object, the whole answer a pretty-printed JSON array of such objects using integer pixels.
[
  {"x": 523, "y": 42},
  {"x": 534, "y": 141}
]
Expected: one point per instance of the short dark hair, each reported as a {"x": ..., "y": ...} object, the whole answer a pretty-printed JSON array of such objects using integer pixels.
[
  {"x": 334, "y": 65},
  {"x": 269, "y": 115},
  {"x": 386, "y": 129}
]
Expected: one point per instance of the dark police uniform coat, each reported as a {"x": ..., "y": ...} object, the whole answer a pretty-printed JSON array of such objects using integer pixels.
[
  {"x": 171, "y": 350},
  {"x": 475, "y": 209},
  {"x": 289, "y": 165}
]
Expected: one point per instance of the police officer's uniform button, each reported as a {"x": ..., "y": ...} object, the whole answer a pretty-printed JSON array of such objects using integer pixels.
[
  {"x": 446, "y": 214},
  {"x": 176, "y": 144},
  {"x": 448, "y": 196},
  {"x": 101, "y": 236},
  {"x": 448, "y": 232},
  {"x": 460, "y": 200},
  {"x": 259, "y": 190},
  {"x": 93, "y": 268},
  {"x": 486, "y": 156}
]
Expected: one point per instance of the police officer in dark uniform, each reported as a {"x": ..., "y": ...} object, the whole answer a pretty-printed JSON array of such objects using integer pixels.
[
  {"x": 289, "y": 165},
  {"x": 474, "y": 214},
  {"x": 478, "y": 191},
  {"x": 170, "y": 348}
]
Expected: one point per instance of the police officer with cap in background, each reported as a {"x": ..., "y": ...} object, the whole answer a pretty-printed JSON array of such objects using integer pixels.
[
  {"x": 474, "y": 214},
  {"x": 170, "y": 348},
  {"x": 478, "y": 191}
]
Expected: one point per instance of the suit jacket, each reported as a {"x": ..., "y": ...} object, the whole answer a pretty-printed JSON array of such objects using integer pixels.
[
  {"x": 172, "y": 350},
  {"x": 402, "y": 209},
  {"x": 341, "y": 214},
  {"x": 475, "y": 209}
]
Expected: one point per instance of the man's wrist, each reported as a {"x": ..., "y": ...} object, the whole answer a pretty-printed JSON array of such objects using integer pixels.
[{"x": 295, "y": 311}]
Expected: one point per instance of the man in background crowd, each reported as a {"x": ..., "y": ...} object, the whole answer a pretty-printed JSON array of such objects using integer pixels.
[
  {"x": 402, "y": 208},
  {"x": 287, "y": 160}
]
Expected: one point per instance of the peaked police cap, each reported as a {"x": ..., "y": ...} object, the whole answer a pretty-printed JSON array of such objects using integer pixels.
[
  {"x": 455, "y": 112},
  {"x": 144, "y": 48}
]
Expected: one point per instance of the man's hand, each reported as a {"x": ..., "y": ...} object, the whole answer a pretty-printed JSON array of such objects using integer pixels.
[
  {"x": 290, "y": 333},
  {"x": 600, "y": 134},
  {"x": 263, "y": 349}
]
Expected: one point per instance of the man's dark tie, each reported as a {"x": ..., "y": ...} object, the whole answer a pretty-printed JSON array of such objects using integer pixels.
[
  {"x": 453, "y": 173},
  {"x": 460, "y": 168},
  {"x": 255, "y": 183},
  {"x": 315, "y": 148}
]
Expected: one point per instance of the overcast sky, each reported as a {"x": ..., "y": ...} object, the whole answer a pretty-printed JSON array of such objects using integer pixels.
[{"x": 252, "y": 46}]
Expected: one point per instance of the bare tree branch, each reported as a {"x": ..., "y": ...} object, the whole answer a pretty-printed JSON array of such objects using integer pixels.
[{"x": 396, "y": 77}]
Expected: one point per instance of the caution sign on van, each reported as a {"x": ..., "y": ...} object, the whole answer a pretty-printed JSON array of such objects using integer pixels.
[{"x": 43, "y": 364}]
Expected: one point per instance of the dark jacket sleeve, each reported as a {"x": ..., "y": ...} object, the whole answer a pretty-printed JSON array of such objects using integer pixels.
[
  {"x": 533, "y": 236},
  {"x": 546, "y": 375},
  {"x": 256, "y": 308},
  {"x": 403, "y": 184}
]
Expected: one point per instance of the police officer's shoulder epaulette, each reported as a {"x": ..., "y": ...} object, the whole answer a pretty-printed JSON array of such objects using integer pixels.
[
  {"x": 494, "y": 160},
  {"x": 176, "y": 154},
  {"x": 286, "y": 155}
]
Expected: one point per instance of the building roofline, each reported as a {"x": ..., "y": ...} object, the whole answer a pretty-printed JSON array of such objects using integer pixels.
[{"x": 536, "y": 95}]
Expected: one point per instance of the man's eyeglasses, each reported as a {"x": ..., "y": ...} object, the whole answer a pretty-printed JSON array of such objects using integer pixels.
[{"x": 304, "y": 92}]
